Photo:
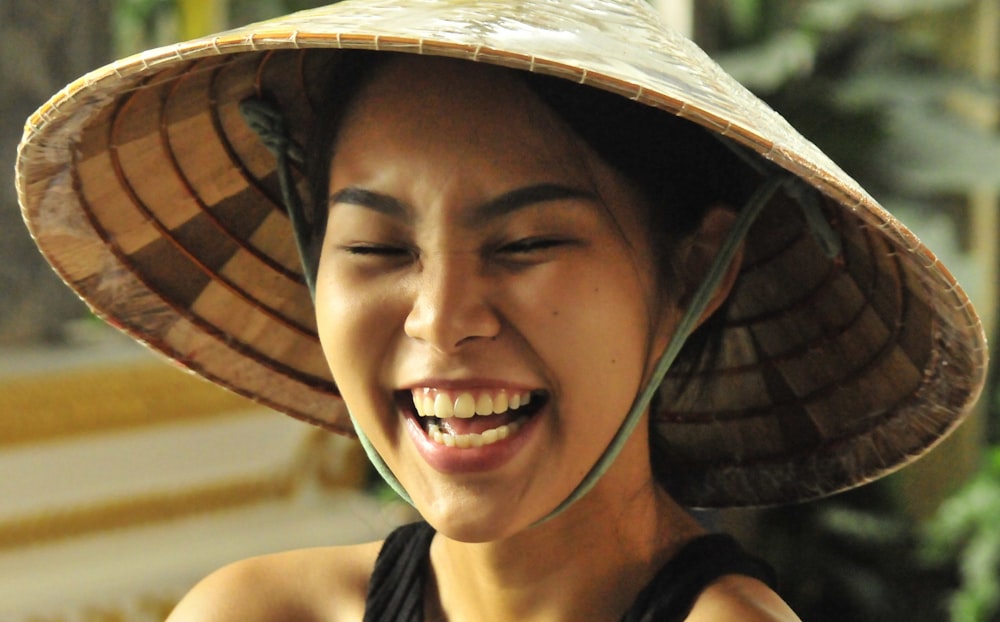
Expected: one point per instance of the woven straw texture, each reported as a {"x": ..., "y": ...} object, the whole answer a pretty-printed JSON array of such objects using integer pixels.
[{"x": 146, "y": 191}]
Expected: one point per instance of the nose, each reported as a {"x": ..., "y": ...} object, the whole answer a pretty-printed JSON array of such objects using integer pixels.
[{"x": 451, "y": 303}]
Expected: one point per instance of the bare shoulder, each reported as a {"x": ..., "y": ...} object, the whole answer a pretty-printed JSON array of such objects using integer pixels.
[
  {"x": 736, "y": 597},
  {"x": 317, "y": 585}
]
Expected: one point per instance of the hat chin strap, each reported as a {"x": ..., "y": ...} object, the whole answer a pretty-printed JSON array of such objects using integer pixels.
[
  {"x": 267, "y": 122},
  {"x": 689, "y": 321},
  {"x": 821, "y": 230}
]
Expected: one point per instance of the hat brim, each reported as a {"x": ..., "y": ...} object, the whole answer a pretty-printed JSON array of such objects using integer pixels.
[{"x": 150, "y": 196}]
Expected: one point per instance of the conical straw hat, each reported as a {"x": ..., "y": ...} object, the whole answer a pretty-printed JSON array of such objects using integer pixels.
[{"x": 145, "y": 189}]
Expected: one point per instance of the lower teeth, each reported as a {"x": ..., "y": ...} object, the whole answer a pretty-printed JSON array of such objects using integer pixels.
[{"x": 465, "y": 441}]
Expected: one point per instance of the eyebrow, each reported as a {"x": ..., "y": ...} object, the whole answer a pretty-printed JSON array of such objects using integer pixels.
[
  {"x": 382, "y": 203},
  {"x": 520, "y": 198},
  {"x": 492, "y": 209}
]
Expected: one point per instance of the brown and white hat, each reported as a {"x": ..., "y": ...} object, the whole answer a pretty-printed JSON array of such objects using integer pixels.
[{"x": 146, "y": 190}]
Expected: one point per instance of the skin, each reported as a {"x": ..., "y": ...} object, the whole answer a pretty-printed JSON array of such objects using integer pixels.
[{"x": 428, "y": 279}]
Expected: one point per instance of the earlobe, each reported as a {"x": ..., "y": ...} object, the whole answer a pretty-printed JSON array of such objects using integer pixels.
[{"x": 700, "y": 251}]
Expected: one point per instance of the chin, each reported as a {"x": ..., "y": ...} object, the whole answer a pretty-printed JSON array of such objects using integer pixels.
[
  {"x": 477, "y": 521},
  {"x": 475, "y": 532}
]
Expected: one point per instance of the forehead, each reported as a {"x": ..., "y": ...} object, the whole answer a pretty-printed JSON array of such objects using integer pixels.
[
  {"x": 434, "y": 89},
  {"x": 434, "y": 110},
  {"x": 439, "y": 133}
]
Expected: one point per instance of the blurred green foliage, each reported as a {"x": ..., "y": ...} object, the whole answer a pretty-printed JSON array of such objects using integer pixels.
[
  {"x": 865, "y": 80},
  {"x": 966, "y": 531},
  {"x": 140, "y": 24},
  {"x": 853, "y": 557},
  {"x": 246, "y": 11}
]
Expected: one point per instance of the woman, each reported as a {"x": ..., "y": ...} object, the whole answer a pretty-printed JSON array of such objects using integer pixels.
[{"x": 503, "y": 267}]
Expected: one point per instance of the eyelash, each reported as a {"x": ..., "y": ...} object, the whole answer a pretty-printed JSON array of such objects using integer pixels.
[
  {"x": 521, "y": 247},
  {"x": 376, "y": 250},
  {"x": 529, "y": 245}
]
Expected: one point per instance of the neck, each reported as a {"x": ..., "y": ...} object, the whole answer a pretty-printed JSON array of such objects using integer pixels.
[{"x": 588, "y": 563}]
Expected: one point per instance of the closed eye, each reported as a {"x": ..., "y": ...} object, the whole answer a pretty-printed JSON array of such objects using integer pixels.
[
  {"x": 376, "y": 250},
  {"x": 529, "y": 245}
]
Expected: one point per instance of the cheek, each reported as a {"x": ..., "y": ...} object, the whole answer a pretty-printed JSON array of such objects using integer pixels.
[
  {"x": 354, "y": 328},
  {"x": 591, "y": 328}
]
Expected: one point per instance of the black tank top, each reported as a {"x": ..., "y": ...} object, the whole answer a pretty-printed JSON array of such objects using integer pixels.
[{"x": 396, "y": 591}]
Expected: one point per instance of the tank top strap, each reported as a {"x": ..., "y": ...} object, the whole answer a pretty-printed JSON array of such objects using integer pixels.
[
  {"x": 671, "y": 595},
  {"x": 396, "y": 589}
]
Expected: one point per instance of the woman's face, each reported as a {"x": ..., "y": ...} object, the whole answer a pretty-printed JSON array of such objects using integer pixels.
[{"x": 485, "y": 295}]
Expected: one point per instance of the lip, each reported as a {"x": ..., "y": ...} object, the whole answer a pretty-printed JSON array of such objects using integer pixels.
[{"x": 455, "y": 460}]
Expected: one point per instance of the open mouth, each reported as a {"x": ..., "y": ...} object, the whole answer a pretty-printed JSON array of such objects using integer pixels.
[{"x": 469, "y": 419}]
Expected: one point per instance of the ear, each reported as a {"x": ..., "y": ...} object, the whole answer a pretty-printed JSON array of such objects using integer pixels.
[{"x": 699, "y": 252}]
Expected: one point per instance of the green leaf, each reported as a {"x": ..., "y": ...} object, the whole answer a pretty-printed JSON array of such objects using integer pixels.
[
  {"x": 830, "y": 15},
  {"x": 764, "y": 68},
  {"x": 932, "y": 152}
]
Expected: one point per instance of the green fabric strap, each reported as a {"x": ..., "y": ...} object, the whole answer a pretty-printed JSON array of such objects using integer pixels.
[
  {"x": 685, "y": 327},
  {"x": 689, "y": 321},
  {"x": 268, "y": 123},
  {"x": 380, "y": 466}
]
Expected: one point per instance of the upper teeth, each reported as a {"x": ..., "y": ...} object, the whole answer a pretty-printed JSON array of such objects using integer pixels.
[{"x": 432, "y": 403}]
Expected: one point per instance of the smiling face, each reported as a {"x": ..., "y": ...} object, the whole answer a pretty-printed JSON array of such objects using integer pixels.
[{"x": 485, "y": 295}]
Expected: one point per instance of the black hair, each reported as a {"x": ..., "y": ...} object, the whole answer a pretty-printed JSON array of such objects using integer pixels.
[
  {"x": 678, "y": 167},
  {"x": 343, "y": 78}
]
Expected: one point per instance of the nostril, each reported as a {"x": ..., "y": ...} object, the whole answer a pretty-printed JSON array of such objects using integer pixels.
[{"x": 452, "y": 323}]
